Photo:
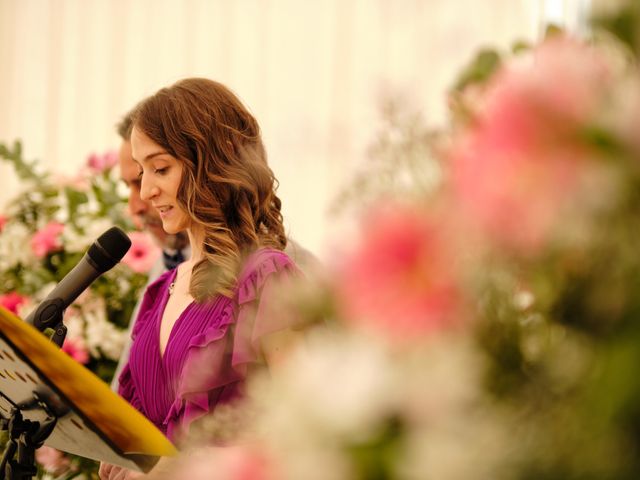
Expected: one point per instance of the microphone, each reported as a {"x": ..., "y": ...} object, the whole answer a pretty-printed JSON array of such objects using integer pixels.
[{"x": 102, "y": 255}]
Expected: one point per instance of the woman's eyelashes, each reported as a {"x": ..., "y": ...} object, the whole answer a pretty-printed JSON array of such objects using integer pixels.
[{"x": 157, "y": 171}]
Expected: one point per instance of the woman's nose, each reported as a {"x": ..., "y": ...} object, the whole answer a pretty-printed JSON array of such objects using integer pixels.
[{"x": 147, "y": 189}]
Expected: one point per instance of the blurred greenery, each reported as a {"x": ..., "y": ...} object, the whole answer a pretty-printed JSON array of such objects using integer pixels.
[
  {"x": 86, "y": 205},
  {"x": 624, "y": 23}
]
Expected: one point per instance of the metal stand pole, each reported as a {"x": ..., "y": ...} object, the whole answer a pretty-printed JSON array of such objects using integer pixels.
[{"x": 25, "y": 436}]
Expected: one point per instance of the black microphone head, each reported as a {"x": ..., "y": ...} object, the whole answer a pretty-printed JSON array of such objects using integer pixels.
[{"x": 109, "y": 249}]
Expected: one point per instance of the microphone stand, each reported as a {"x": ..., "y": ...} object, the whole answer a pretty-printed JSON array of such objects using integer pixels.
[
  {"x": 49, "y": 315},
  {"x": 25, "y": 436}
]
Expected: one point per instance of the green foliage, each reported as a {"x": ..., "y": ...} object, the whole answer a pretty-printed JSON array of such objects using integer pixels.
[
  {"x": 480, "y": 69},
  {"x": 25, "y": 170},
  {"x": 624, "y": 23},
  {"x": 84, "y": 206}
]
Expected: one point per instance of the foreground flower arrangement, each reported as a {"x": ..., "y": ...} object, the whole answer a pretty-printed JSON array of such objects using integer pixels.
[
  {"x": 44, "y": 232},
  {"x": 487, "y": 328},
  {"x": 485, "y": 325}
]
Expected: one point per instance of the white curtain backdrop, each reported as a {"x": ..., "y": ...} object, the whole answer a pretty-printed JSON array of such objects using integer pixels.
[{"x": 312, "y": 72}]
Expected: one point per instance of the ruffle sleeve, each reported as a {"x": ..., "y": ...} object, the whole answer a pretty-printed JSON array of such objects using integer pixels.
[
  {"x": 219, "y": 358},
  {"x": 262, "y": 294}
]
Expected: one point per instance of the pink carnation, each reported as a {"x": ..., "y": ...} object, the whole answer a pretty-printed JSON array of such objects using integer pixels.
[
  {"x": 47, "y": 239},
  {"x": 76, "y": 349},
  {"x": 99, "y": 163},
  {"x": 52, "y": 460},
  {"x": 523, "y": 160},
  {"x": 12, "y": 301},
  {"x": 401, "y": 280},
  {"x": 142, "y": 254}
]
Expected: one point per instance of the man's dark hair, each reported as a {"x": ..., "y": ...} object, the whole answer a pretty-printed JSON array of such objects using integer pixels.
[{"x": 124, "y": 126}]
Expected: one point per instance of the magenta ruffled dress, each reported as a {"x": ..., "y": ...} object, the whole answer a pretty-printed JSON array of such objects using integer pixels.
[{"x": 210, "y": 349}]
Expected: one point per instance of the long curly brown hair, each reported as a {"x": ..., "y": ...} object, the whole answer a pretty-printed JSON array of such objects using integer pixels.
[{"x": 227, "y": 187}]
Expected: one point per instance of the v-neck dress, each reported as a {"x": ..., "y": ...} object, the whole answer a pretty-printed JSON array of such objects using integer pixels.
[{"x": 210, "y": 349}]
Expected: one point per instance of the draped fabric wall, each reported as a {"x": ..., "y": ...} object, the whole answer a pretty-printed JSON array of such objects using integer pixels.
[{"x": 312, "y": 71}]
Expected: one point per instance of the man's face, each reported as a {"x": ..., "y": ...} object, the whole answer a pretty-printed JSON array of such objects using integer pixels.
[{"x": 143, "y": 214}]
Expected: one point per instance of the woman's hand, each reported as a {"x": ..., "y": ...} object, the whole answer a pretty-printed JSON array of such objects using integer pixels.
[{"x": 114, "y": 472}]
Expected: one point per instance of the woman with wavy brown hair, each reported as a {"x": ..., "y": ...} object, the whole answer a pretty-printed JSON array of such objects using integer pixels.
[{"x": 204, "y": 325}]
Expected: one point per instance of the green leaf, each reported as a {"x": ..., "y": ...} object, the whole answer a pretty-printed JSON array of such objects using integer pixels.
[
  {"x": 75, "y": 198},
  {"x": 25, "y": 170},
  {"x": 623, "y": 24},
  {"x": 480, "y": 69}
]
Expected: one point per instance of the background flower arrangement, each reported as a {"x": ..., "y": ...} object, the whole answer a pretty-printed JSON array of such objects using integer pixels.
[
  {"x": 44, "y": 232},
  {"x": 486, "y": 325}
]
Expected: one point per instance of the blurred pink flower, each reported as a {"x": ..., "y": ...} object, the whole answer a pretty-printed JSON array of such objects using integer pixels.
[
  {"x": 226, "y": 463},
  {"x": 523, "y": 159},
  {"x": 76, "y": 349},
  {"x": 3, "y": 221},
  {"x": 78, "y": 181},
  {"x": 401, "y": 281},
  {"x": 12, "y": 301},
  {"x": 99, "y": 163},
  {"x": 247, "y": 464},
  {"x": 52, "y": 460},
  {"x": 47, "y": 239},
  {"x": 142, "y": 254}
]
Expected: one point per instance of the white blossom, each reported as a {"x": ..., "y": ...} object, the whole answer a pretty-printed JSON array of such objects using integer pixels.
[
  {"x": 103, "y": 337},
  {"x": 15, "y": 246},
  {"x": 361, "y": 392},
  {"x": 73, "y": 241}
]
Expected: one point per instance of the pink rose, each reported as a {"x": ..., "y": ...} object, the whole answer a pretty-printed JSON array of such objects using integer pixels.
[
  {"x": 521, "y": 164},
  {"x": 47, "y": 239},
  {"x": 52, "y": 460},
  {"x": 76, "y": 349},
  {"x": 142, "y": 254},
  {"x": 3, "y": 222},
  {"x": 12, "y": 301},
  {"x": 401, "y": 280},
  {"x": 100, "y": 163}
]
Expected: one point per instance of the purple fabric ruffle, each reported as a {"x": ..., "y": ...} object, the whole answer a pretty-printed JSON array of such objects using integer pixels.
[{"x": 219, "y": 357}]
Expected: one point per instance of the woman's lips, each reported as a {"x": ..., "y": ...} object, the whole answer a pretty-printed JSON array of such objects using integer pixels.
[{"x": 164, "y": 211}]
